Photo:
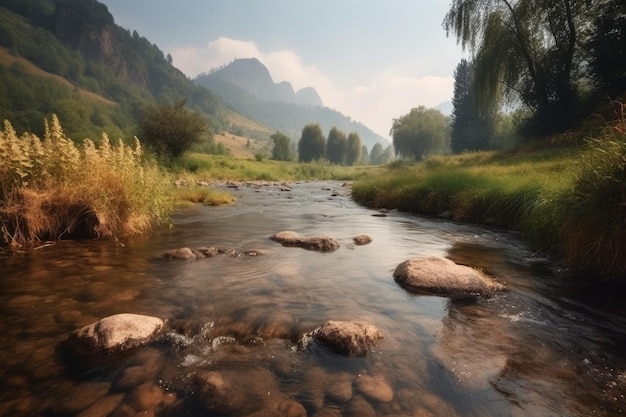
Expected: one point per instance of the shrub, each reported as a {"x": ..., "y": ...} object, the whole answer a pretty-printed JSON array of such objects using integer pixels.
[{"x": 52, "y": 189}]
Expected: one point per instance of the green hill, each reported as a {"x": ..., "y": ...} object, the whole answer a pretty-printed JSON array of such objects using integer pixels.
[{"x": 70, "y": 58}]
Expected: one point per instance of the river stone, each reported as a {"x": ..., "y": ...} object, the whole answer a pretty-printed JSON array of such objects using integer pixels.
[
  {"x": 359, "y": 407},
  {"x": 440, "y": 276},
  {"x": 351, "y": 338},
  {"x": 181, "y": 254},
  {"x": 362, "y": 239},
  {"x": 339, "y": 389},
  {"x": 103, "y": 407},
  {"x": 283, "y": 407},
  {"x": 119, "y": 332},
  {"x": 145, "y": 396},
  {"x": 375, "y": 388},
  {"x": 320, "y": 243},
  {"x": 235, "y": 392}
]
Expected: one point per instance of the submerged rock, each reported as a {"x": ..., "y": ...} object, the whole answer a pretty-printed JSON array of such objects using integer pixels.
[
  {"x": 440, "y": 276},
  {"x": 184, "y": 254},
  {"x": 253, "y": 392},
  {"x": 181, "y": 254},
  {"x": 118, "y": 332},
  {"x": 351, "y": 338},
  {"x": 320, "y": 243},
  {"x": 362, "y": 239},
  {"x": 376, "y": 388}
]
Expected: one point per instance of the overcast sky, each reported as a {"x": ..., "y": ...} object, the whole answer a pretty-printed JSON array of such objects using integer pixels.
[{"x": 372, "y": 60}]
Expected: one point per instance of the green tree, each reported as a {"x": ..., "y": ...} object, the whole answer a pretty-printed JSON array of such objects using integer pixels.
[
  {"x": 281, "y": 149},
  {"x": 312, "y": 144},
  {"x": 353, "y": 152},
  {"x": 365, "y": 157},
  {"x": 471, "y": 129},
  {"x": 420, "y": 132},
  {"x": 336, "y": 146},
  {"x": 171, "y": 128},
  {"x": 608, "y": 50},
  {"x": 376, "y": 153},
  {"x": 525, "y": 50}
]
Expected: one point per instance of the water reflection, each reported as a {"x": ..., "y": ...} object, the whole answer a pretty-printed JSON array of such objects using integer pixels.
[{"x": 534, "y": 350}]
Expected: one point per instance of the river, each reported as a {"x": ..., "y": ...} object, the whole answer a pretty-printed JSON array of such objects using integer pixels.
[{"x": 543, "y": 348}]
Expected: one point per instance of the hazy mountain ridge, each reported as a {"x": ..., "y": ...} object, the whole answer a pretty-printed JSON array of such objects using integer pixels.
[
  {"x": 254, "y": 78},
  {"x": 247, "y": 86}
]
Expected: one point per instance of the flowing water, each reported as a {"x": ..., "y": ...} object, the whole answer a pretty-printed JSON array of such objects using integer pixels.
[{"x": 543, "y": 348}]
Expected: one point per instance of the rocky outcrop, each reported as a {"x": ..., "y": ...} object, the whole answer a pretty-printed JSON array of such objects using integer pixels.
[
  {"x": 320, "y": 243},
  {"x": 440, "y": 276},
  {"x": 119, "y": 332},
  {"x": 351, "y": 338}
]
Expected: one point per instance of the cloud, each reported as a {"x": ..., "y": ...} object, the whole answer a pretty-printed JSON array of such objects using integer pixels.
[{"x": 385, "y": 96}]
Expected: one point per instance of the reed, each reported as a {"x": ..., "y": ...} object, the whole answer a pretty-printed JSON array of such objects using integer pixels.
[{"x": 52, "y": 188}]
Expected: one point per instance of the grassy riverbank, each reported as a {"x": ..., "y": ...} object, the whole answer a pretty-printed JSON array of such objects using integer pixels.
[
  {"x": 215, "y": 167},
  {"x": 569, "y": 201},
  {"x": 53, "y": 188}
]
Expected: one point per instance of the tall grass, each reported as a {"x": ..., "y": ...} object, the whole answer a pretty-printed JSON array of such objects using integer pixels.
[
  {"x": 569, "y": 202},
  {"x": 52, "y": 188}
]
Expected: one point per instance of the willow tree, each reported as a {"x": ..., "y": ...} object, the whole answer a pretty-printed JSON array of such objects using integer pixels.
[
  {"x": 524, "y": 50},
  {"x": 354, "y": 149}
]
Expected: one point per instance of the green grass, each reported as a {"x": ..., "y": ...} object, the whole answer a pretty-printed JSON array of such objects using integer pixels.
[
  {"x": 220, "y": 167},
  {"x": 567, "y": 201}
]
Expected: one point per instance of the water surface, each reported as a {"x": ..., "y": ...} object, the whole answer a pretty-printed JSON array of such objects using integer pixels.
[{"x": 543, "y": 348}]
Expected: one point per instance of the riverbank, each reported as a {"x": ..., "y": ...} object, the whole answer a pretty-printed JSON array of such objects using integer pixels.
[{"x": 568, "y": 200}]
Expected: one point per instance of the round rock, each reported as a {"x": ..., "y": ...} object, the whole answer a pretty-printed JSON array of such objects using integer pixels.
[
  {"x": 119, "y": 332},
  {"x": 351, "y": 338},
  {"x": 440, "y": 276},
  {"x": 319, "y": 243}
]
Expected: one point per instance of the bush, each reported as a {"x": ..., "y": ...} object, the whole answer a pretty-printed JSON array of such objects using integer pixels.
[{"x": 52, "y": 189}]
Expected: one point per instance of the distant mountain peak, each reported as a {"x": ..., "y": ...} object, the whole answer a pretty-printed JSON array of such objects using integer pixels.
[
  {"x": 255, "y": 79},
  {"x": 247, "y": 86}
]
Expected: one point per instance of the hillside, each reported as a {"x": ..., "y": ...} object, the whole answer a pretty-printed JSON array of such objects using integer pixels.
[
  {"x": 247, "y": 86},
  {"x": 69, "y": 57}
]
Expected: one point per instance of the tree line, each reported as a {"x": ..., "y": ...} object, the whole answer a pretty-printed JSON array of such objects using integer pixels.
[{"x": 338, "y": 148}]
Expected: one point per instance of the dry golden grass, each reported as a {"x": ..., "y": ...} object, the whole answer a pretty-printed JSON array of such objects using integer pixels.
[{"x": 51, "y": 189}]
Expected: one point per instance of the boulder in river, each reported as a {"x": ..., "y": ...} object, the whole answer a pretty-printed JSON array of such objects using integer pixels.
[
  {"x": 351, "y": 338},
  {"x": 440, "y": 276},
  {"x": 319, "y": 243},
  {"x": 362, "y": 240},
  {"x": 119, "y": 332}
]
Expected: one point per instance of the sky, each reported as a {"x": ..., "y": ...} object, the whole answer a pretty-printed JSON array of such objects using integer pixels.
[{"x": 372, "y": 60}]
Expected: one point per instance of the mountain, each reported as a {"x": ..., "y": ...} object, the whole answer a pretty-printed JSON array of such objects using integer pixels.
[
  {"x": 247, "y": 86},
  {"x": 446, "y": 108},
  {"x": 251, "y": 77},
  {"x": 54, "y": 52}
]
